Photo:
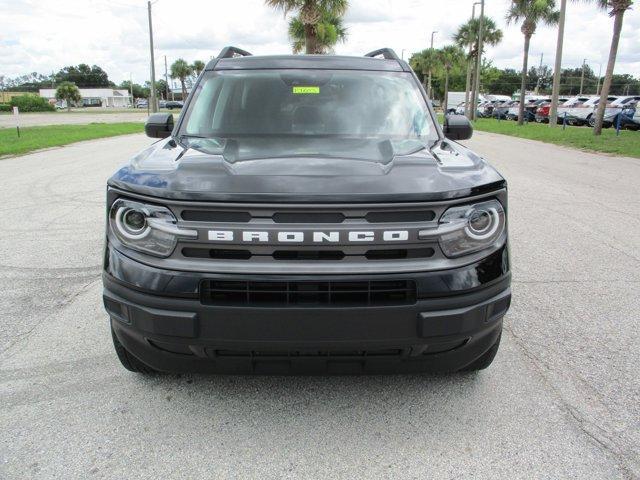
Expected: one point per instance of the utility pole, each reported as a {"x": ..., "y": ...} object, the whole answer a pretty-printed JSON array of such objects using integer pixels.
[
  {"x": 431, "y": 50},
  {"x": 599, "y": 77},
  {"x": 584, "y": 62},
  {"x": 131, "y": 88},
  {"x": 152, "y": 100},
  {"x": 537, "y": 90},
  {"x": 467, "y": 89},
  {"x": 557, "y": 70},
  {"x": 166, "y": 79},
  {"x": 474, "y": 103}
]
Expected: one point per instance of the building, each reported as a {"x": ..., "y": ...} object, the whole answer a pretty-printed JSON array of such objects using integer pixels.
[{"x": 95, "y": 97}]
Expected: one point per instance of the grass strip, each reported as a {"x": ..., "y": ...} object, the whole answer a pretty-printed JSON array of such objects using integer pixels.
[
  {"x": 627, "y": 144},
  {"x": 36, "y": 138}
]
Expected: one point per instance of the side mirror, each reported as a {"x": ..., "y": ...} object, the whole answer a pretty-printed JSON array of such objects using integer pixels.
[
  {"x": 457, "y": 127},
  {"x": 159, "y": 125}
]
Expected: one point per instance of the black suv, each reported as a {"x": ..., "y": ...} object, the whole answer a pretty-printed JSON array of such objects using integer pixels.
[{"x": 306, "y": 214}]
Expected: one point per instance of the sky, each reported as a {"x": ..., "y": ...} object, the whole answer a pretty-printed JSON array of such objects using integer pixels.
[{"x": 45, "y": 35}]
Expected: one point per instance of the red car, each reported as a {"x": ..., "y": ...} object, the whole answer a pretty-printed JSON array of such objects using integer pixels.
[{"x": 544, "y": 108}]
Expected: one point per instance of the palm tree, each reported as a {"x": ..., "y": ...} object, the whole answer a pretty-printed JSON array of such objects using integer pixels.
[
  {"x": 424, "y": 62},
  {"x": 330, "y": 30},
  {"x": 197, "y": 67},
  {"x": 617, "y": 9},
  {"x": 530, "y": 12},
  {"x": 181, "y": 70},
  {"x": 450, "y": 56},
  {"x": 467, "y": 36},
  {"x": 310, "y": 13}
]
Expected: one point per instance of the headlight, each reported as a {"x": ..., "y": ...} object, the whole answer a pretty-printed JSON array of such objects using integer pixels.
[
  {"x": 146, "y": 228},
  {"x": 470, "y": 228}
]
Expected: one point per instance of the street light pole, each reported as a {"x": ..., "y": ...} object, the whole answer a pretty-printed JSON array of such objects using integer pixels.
[
  {"x": 467, "y": 88},
  {"x": 166, "y": 79},
  {"x": 474, "y": 103},
  {"x": 152, "y": 101},
  {"x": 584, "y": 62},
  {"x": 599, "y": 77},
  {"x": 431, "y": 49}
]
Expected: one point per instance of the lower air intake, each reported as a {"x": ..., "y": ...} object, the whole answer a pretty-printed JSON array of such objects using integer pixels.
[{"x": 311, "y": 294}]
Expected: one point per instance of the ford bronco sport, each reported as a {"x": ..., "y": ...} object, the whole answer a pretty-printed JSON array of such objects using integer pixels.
[{"x": 306, "y": 214}]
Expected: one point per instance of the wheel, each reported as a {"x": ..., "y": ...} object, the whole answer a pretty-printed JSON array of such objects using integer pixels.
[
  {"x": 128, "y": 361},
  {"x": 485, "y": 360},
  {"x": 591, "y": 120}
]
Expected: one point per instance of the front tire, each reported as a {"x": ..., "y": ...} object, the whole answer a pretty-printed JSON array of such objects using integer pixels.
[
  {"x": 485, "y": 360},
  {"x": 127, "y": 360}
]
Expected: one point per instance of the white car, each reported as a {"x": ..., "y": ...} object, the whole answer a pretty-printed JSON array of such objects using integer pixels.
[
  {"x": 580, "y": 110},
  {"x": 614, "y": 109}
]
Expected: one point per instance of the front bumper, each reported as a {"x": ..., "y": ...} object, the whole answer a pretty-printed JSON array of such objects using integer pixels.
[{"x": 159, "y": 318}]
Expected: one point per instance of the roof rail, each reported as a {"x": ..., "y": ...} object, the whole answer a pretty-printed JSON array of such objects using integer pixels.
[
  {"x": 230, "y": 52},
  {"x": 386, "y": 53}
]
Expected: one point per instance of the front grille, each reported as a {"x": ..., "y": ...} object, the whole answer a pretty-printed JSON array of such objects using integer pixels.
[
  {"x": 304, "y": 293},
  {"x": 272, "y": 236},
  {"x": 308, "y": 254},
  {"x": 317, "y": 217}
]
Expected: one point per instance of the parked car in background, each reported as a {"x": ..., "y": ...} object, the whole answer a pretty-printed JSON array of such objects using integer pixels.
[
  {"x": 543, "y": 110},
  {"x": 501, "y": 109},
  {"x": 579, "y": 110},
  {"x": 142, "y": 103},
  {"x": 631, "y": 119},
  {"x": 162, "y": 104},
  {"x": 615, "y": 108},
  {"x": 171, "y": 104}
]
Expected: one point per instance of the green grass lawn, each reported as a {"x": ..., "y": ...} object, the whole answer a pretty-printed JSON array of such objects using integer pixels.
[
  {"x": 627, "y": 144},
  {"x": 35, "y": 138}
]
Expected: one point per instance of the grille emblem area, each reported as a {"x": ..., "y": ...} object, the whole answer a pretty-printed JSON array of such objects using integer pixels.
[{"x": 309, "y": 237}]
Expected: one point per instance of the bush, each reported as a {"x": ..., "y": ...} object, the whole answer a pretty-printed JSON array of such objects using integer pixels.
[
  {"x": 32, "y": 103},
  {"x": 5, "y": 107}
]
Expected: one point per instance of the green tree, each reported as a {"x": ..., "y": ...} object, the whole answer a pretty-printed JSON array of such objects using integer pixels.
[
  {"x": 449, "y": 57},
  {"x": 310, "y": 13},
  {"x": 424, "y": 62},
  {"x": 330, "y": 30},
  {"x": 84, "y": 76},
  {"x": 616, "y": 8},
  {"x": 198, "y": 67},
  {"x": 530, "y": 13},
  {"x": 138, "y": 90},
  {"x": 68, "y": 92},
  {"x": 181, "y": 70},
  {"x": 467, "y": 36}
]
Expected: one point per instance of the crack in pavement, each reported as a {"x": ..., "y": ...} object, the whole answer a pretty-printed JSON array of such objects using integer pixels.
[
  {"x": 5, "y": 354},
  {"x": 624, "y": 453}
]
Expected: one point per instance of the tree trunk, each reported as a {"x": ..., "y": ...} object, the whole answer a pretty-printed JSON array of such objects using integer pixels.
[
  {"x": 184, "y": 90},
  {"x": 309, "y": 38},
  {"x": 523, "y": 85},
  {"x": 446, "y": 90},
  {"x": 68, "y": 105},
  {"x": 615, "y": 40},
  {"x": 473, "y": 89},
  {"x": 557, "y": 71},
  {"x": 467, "y": 88}
]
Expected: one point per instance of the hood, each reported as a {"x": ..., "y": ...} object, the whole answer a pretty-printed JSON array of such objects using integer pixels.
[{"x": 169, "y": 170}]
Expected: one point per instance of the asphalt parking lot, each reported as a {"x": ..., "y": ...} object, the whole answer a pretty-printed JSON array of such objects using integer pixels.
[{"x": 562, "y": 399}]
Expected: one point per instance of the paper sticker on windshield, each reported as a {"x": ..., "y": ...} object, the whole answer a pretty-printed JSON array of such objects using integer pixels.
[{"x": 306, "y": 90}]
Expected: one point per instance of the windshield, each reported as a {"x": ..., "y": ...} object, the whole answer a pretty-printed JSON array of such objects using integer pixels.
[{"x": 253, "y": 114}]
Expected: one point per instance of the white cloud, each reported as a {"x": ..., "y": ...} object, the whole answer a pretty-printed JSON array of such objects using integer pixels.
[{"x": 46, "y": 36}]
